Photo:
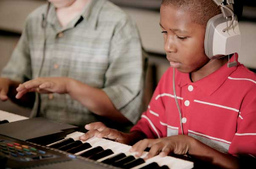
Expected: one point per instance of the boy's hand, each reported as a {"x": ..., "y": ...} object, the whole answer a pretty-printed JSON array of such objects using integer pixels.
[
  {"x": 43, "y": 85},
  {"x": 179, "y": 144},
  {"x": 4, "y": 88},
  {"x": 98, "y": 129}
]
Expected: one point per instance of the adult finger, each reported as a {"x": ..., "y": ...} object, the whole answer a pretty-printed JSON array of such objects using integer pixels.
[
  {"x": 33, "y": 83},
  {"x": 21, "y": 93},
  {"x": 3, "y": 95}
]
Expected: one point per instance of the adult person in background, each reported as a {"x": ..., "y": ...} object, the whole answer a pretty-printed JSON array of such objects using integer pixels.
[{"x": 84, "y": 58}]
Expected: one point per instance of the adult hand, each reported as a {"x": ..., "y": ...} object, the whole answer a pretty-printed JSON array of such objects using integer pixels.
[
  {"x": 4, "y": 88},
  {"x": 98, "y": 129},
  {"x": 179, "y": 144},
  {"x": 43, "y": 85}
]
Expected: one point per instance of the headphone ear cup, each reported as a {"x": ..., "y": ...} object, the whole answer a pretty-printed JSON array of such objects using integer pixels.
[
  {"x": 218, "y": 42},
  {"x": 209, "y": 34}
]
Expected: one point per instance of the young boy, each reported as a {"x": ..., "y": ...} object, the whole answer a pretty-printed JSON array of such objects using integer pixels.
[
  {"x": 217, "y": 115},
  {"x": 88, "y": 46}
]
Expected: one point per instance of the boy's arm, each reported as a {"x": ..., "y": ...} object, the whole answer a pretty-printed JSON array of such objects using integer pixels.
[{"x": 205, "y": 153}]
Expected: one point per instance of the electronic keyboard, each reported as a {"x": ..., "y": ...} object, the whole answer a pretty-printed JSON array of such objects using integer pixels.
[{"x": 69, "y": 152}]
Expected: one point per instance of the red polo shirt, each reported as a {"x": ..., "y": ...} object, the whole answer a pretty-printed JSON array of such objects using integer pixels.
[{"x": 219, "y": 110}]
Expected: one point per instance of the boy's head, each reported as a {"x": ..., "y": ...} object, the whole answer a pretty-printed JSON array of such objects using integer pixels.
[
  {"x": 201, "y": 10},
  {"x": 183, "y": 23}
]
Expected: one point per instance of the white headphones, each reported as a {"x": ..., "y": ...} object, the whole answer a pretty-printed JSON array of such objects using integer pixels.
[{"x": 222, "y": 35}]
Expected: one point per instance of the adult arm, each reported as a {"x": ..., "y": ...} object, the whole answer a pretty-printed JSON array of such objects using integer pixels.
[{"x": 96, "y": 100}]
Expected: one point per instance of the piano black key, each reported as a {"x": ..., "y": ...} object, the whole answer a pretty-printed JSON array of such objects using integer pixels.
[
  {"x": 4, "y": 121},
  {"x": 121, "y": 162},
  {"x": 102, "y": 154},
  {"x": 163, "y": 167},
  {"x": 111, "y": 160},
  {"x": 70, "y": 145},
  {"x": 152, "y": 165},
  {"x": 62, "y": 143},
  {"x": 134, "y": 163},
  {"x": 79, "y": 148},
  {"x": 92, "y": 152}
]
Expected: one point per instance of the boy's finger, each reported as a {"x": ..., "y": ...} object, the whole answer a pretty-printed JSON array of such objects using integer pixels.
[
  {"x": 154, "y": 150},
  {"x": 88, "y": 135},
  {"x": 95, "y": 126}
]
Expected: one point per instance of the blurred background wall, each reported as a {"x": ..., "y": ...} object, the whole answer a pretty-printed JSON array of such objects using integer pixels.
[{"x": 146, "y": 14}]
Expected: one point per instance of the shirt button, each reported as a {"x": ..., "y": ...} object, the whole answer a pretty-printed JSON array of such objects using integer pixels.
[
  {"x": 60, "y": 35},
  {"x": 190, "y": 88},
  {"x": 187, "y": 103},
  {"x": 50, "y": 96},
  {"x": 56, "y": 66},
  {"x": 184, "y": 120}
]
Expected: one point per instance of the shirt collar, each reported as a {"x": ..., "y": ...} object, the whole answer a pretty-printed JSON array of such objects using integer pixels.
[
  {"x": 90, "y": 14},
  {"x": 210, "y": 83}
]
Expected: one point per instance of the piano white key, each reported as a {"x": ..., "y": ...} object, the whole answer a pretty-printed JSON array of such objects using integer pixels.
[
  {"x": 171, "y": 162},
  {"x": 75, "y": 135},
  {"x": 11, "y": 117}
]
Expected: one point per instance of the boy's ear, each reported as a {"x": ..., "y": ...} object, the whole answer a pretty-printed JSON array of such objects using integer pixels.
[{"x": 222, "y": 35}]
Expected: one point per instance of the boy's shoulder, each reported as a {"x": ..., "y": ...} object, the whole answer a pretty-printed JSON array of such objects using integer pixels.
[
  {"x": 244, "y": 76},
  {"x": 244, "y": 72}
]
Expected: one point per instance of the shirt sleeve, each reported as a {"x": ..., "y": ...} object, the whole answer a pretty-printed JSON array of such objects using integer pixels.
[
  {"x": 124, "y": 79},
  {"x": 244, "y": 141},
  {"x": 18, "y": 67},
  {"x": 152, "y": 122}
]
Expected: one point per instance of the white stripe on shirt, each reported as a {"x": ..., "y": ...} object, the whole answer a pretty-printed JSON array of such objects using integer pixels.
[
  {"x": 210, "y": 137},
  {"x": 169, "y": 95},
  {"x": 232, "y": 78},
  {"x": 151, "y": 124},
  {"x": 217, "y": 105},
  {"x": 172, "y": 127},
  {"x": 245, "y": 134},
  {"x": 155, "y": 114}
]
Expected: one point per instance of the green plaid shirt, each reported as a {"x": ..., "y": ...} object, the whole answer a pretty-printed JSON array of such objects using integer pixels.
[{"x": 100, "y": 48}]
